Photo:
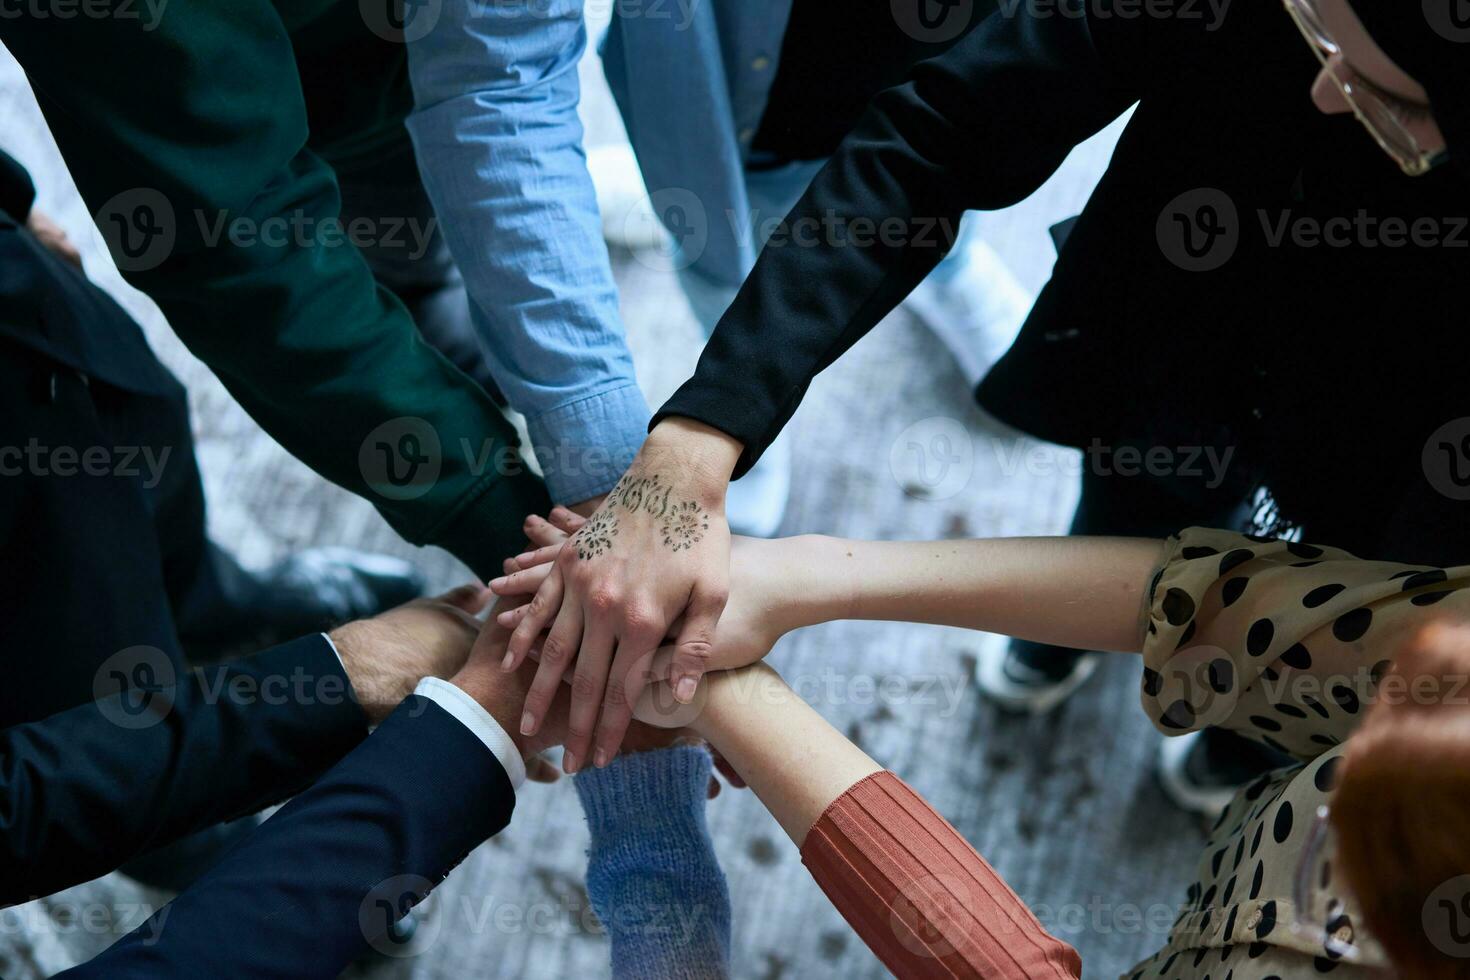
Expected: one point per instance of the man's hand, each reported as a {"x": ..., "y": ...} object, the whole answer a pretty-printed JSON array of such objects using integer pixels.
[
  {"x": 385, "y": 657},
  {"x": 657, "y": 549}
]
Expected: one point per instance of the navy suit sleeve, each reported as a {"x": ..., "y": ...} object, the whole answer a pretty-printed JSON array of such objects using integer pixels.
[
  {"x": 84, "y": 790},
  {"x": 321, "y": 879},
  {"x": 978, "y": 128}
]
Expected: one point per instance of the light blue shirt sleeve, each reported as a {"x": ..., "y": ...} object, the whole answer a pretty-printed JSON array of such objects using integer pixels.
[{"x": 499, "y": 145}]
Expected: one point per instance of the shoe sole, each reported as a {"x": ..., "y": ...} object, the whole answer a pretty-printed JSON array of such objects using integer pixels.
[{"x": 1000, "y": 690}]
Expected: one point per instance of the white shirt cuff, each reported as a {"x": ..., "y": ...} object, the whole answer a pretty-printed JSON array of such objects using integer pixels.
[{"x": 479, "y": 721}]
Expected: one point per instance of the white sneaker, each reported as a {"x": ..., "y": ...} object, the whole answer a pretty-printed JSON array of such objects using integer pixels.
[
  {"x": 756, "y": 502},
  {"x": 973, "y": 304},
  {"x": 1013, "y": 686},
  {"x": 1186, "y": 789},
  {"x": 628, "y": 218}
]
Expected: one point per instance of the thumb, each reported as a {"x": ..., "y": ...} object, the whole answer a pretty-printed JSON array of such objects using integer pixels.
[
  {"x": 695, "y": 643},
  {"x": 471, "y": 597}
]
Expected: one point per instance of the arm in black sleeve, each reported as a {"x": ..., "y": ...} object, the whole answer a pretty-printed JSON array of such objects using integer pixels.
[
  {"x": 86, "y": 789},
  {"x": 981, "y": 127},
  {"x": 323, "y": 877}
]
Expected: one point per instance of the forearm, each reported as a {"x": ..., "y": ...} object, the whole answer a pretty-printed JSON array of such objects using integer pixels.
[
  {"x": 1086, "y": 593},
  {"x": 500, "y": 149},
  {"x": 786, "y": 752}
]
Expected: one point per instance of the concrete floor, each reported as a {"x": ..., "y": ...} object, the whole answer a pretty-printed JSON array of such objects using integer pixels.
[{"x": 1064, "y": 806}]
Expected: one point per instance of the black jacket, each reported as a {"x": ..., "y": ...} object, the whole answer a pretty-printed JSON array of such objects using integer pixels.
[{"x": 1328, "y": 367}]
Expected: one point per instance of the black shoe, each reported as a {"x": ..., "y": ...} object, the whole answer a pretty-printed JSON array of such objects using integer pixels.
[
  {"x": 311, "y": 591},
  {"x": 1201, "y": 772}
]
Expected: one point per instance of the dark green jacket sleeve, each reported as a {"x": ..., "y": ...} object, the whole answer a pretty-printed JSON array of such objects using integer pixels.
[{"x": 187, "y": 137}]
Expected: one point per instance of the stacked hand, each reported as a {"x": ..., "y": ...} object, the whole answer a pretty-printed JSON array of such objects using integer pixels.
[
  {"x": 755, "y": 617},
  {"x": 653, "y": 558}
]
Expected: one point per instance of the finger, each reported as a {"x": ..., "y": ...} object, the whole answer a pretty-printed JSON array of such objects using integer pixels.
[
  {"x": 557, "y": 651},
  {"x": 695, "y": 642},
  {"x": 538, "y": 556},
  {"x": 588, "y": 683},
  {"x": 538, "y": 613},
  {"x": 568, "y": 521},
  {"x": 511, "y": 618},
  {"x": 471, "y": 597},
  {"x": 624, "y": 686},
  {"x": 525, "y": 582},
  {"x": 542, "y": 532}
]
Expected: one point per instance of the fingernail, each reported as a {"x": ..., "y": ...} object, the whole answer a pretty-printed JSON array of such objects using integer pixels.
[
  {"x": 600, "y": 759},
  {"x": 528, "y": 724},
  {"x": 569, "y": 762},
  {"x": 685, "y": 691},
  {"x": 496, "y": 583},
  {"x": 508, "y": 662}
]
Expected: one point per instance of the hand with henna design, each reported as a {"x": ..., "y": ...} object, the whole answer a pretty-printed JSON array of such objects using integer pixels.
[{"x": 656, "y": 552}]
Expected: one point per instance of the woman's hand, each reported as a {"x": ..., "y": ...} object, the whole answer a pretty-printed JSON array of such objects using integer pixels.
[{"x": 766, "y": 590}]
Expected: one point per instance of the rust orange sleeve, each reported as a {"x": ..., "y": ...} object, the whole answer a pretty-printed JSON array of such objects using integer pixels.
[{"x": 920, "y": 896}]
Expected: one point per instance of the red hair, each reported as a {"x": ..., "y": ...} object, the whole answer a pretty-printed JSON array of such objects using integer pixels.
[{"x": 1402, "y": 807}]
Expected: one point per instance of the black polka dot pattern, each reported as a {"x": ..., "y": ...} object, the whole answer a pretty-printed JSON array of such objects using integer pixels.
[{"x": 1350, "y": 627}]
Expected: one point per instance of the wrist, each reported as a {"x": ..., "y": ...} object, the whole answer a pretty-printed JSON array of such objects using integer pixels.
[
  {"x": 489, "y": 687},
  {"x": 375, "y": 688},
  {"x": 702, "y": 451}
]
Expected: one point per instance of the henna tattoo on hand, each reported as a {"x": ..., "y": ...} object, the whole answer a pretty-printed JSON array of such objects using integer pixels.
[
  {"x": 684, "y": 526},
  {"x": 596, "y": 535}
]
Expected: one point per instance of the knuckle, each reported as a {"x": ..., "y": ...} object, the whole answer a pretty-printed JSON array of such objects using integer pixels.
[
  {"x": 641, "y": 621},
  {"x": 578, "y": 733},
  {"x": 584, "y": 688},
  {"x": 617, "y": 694},
  {"x": 554, "y": 652},
  {"x": 603, "y": 599},
  {"x": 697, "y": 651}
]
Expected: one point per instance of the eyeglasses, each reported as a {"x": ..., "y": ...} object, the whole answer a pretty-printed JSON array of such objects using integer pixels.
[
  {"x": 1330, "y": 928},
  {"x": 1377, "y": 116}
]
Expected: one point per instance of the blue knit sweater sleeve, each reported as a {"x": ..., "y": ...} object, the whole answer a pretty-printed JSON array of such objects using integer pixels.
[{"x": 652, "y": 874}]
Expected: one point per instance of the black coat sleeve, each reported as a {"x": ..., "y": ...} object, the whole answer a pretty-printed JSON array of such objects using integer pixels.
[
  {"x": 86, "y": 789},
  {"x": 322, "y": 878},
  {"x": 981, "y": 127}
]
